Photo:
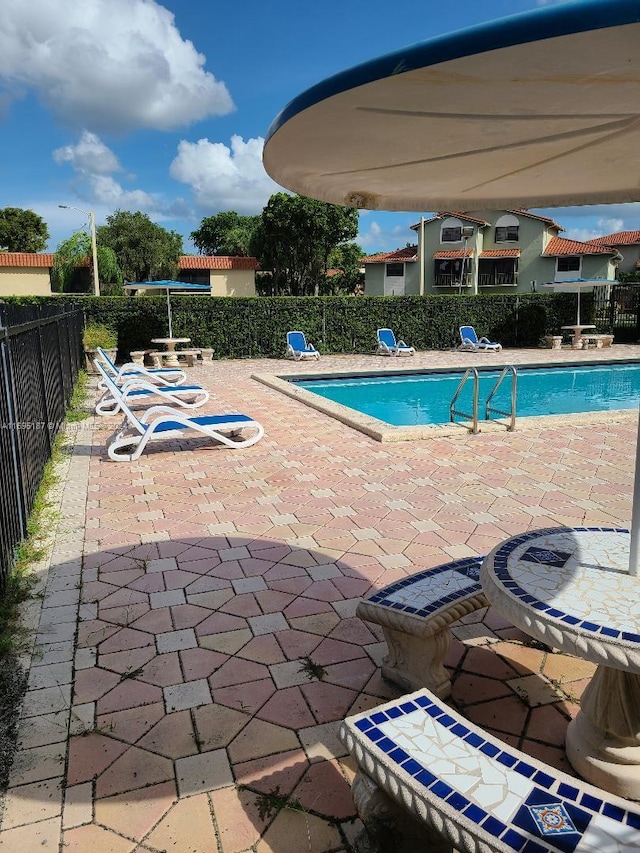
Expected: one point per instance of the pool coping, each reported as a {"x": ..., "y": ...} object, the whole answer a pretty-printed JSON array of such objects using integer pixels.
[{"x": 384, "y": 432}]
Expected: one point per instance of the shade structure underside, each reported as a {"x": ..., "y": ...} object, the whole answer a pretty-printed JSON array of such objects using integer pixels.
[{"x": 547, "y": 123}]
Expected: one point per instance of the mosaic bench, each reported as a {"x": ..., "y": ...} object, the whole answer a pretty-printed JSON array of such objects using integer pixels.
[
  {"x": 430, "y": 780},
  {"x": 416, "y": 613}
]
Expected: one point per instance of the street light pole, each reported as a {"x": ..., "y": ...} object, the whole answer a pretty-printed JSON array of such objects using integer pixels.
[{"x": 94, "y": 246}]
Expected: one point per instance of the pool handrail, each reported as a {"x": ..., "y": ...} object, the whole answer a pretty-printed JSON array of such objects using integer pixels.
[{"x": 469, "y": 372}]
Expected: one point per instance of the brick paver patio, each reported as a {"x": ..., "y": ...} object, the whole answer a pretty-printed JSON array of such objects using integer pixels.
[{"x": 197, "y": 643}]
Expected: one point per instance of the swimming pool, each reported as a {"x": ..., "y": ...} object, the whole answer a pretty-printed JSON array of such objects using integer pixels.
[{"x": 424, "y": 398}]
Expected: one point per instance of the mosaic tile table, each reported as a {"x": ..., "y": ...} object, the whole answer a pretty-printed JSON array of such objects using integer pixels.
[{"x": 570, "y": 588}]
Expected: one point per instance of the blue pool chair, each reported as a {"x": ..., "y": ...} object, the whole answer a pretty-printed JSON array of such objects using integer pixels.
[
  {"x": 159, "y": 375},
  {"x": 387, "y": 344},
  {"x": 470, "y": 342},
  {"x": 298, "y": 348},
  {"x": 169, "y": 423},
  {"x": 139, "y": 390}
]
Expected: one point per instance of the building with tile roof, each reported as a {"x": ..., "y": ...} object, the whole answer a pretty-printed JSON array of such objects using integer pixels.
[
  {"x": 628, "y": 245},
  {"x": 29, "y": 273},
  {"x": 492, "y": 251}
]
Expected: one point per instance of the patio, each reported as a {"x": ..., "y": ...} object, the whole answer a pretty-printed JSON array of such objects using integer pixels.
[{"x": 197, "y": 642}]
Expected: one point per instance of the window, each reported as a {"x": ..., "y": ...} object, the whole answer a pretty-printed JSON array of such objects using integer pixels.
[
  {"x": 451, "y": 235},
  {"x": 568, "y": 264},
  {"x": 507, "y": 234},
  {"x": 395, "y": 270}
]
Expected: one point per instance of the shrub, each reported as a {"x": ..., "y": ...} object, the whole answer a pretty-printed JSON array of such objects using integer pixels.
[{"x": 98, "y": 335}]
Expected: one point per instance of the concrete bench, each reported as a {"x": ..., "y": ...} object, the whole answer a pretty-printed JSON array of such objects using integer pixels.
[
  {"x": 172, "y": 357},
  {"x": 430, "y": 780},
  {"x": 416, "y": 613},
  {"x": 599, "y": 341}
]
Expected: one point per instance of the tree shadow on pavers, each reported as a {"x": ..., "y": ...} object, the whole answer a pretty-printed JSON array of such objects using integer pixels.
[
  {"x": 200, "y": 676},
  {"x": 515, "y": 687}
]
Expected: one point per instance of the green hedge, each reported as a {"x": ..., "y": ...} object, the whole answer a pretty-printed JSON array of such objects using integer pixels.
[{"x": 256, "y": 327}]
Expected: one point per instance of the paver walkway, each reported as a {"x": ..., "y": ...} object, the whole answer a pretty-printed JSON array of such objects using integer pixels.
[{"x": 197, "y": 643}]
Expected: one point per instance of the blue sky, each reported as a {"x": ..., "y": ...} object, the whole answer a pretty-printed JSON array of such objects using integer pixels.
[{"x": 163, "y": 106}]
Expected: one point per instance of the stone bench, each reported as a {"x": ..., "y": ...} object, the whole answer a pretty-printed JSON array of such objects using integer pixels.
[
  {"x": 599, "y": 341},
  {"x": 428, "y": 779},
  {"x": 416, "y": 613},
  {"x": 172, "y": 357}
]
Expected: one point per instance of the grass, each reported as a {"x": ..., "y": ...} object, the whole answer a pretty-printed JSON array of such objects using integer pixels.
[
  {"x": 21, "y": 586},
  {"x": 78, "y": 409}
]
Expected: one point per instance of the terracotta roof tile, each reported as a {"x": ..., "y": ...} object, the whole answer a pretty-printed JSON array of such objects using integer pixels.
[
  {"x": 409, "y": 253},
  {"x": 451, "y": 254},
  {"x": 26, "y": 259},
  {"x": 217, "y": 262},
  {"x": 622, "y": 238},
  {"x": 500, "y": 253},
  {"x": 561, "y": 246}
]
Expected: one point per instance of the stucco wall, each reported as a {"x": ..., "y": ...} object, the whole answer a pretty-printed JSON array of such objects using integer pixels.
[
  {"x": 25, "y": 281},
  {"x": 233, "y": 283}
]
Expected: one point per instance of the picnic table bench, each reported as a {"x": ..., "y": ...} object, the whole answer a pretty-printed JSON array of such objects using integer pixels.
[
  {"x": 416, "y": 614},
  {"x": 599, "y": 341},
  {"x": 428, "y": 779}
]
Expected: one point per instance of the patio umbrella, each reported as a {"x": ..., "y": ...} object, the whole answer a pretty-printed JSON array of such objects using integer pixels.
[
  {"x": 577, "y": 285},
  {"x": 536, "y": 110},
  {"x": 169, "y": 287}
]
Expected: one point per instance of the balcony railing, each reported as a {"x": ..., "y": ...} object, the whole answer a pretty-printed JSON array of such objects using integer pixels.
[
  {"x": 447, "y": 280},
  {"x": 497, "y": 279}
]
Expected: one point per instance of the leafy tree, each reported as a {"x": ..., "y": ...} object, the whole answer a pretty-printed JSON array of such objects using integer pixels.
[
  {"x": 294, "y": 240},
  {"x": 226, "y": 233},
  {"x": 22, "y": 230},
  {"x": 346, "y": 258},
  {"x": 144, "y": 250},
  {"x": 71, "y": 271}
]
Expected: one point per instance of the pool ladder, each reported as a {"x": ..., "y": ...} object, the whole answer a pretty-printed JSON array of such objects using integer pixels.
[{"x": 472, "y": 373}]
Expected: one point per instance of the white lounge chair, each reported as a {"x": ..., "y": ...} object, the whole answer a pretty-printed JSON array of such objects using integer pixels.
[
  {"x": 298, "y": 348},
  {"x": 387, "y": 344},
  {"x": 470, "y": 342},
  {"x": 158, "y": 375},
  {"x": 169, "y": 423},
  {"x": 138, "y": 390}
]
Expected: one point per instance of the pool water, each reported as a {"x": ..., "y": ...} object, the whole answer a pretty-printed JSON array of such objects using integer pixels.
[{"x": 424, "y": 398}]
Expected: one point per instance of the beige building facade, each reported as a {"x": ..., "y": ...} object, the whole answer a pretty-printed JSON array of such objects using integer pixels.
[
  {"x": 25, "y": 274},
  {"x": 29, "y": 273}
]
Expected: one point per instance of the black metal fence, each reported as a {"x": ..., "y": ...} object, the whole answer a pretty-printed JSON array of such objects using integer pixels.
[
  {"x": 617, "y": 310},
  {"x": 40, "y": 356}
]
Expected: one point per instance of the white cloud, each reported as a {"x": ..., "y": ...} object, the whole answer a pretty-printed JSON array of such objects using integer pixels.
[
  {"x": 107, "y": 64},
  {"x": 89, "y": 156},
  {"x": 381, "y": 238},
  {"x": 223, "y": 178},
  {"x": 93, "y": 163}
]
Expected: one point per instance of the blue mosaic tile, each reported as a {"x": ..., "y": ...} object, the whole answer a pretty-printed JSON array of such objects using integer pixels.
[
  {"x": 633, "y": 820},
  {"x": 568, "y": 792},
  {"x": 412, "y": 767},
  {"x": 494, "y": 826},
  {"x": 475, "y": 813},
  {"x": 441, "y": 789},
  {"x": 591, "y": 802},
  {"x": 425, "y": 778},
  {"x": 457, "y": 801},
  {"x": 474, "y": 739},
  {"x": 543, "y": 779},
  {"x": 514, "y": 839},
  {"x": 507, "y": 760},
  {"x": 525, "y": 769},
  {"x": 614, "y": 812},
  {"x": 546, "y": 557},
  {"x": 560, "y": 823},
  {"x": 489, "y": 749}
]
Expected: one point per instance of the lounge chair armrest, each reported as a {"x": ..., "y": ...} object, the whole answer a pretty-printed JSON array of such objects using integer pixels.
[{"x": 161, "y": 410}]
